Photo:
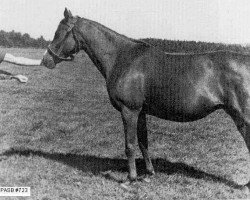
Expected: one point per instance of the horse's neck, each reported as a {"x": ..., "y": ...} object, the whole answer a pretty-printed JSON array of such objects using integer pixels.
[{"x": 102, "y": 46}]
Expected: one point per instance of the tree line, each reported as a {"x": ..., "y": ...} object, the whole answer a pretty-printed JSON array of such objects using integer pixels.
[
  {"x": 193, "y": 46},
  {"x": 16, "y": 39}
]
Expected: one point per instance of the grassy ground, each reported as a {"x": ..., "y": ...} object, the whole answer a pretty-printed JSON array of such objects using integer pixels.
[{"x": 59, "y": 133}]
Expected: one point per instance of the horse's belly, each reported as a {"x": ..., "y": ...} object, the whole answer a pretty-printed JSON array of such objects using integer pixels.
[
  {"x": 179, "y": 116},
  {"x": 187, "y": 108}
]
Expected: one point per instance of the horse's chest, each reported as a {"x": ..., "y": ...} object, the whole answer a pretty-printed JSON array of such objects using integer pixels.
[{"x": 128, "y": 90}]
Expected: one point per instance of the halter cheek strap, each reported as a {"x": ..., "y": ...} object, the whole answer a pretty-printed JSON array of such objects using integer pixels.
[{"x": 77, "y": 48}]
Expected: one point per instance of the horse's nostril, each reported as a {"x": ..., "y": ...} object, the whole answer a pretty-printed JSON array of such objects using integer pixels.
[{"x": 48, "y": 61}]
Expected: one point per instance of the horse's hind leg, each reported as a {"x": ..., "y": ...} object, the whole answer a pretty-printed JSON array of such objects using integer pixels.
[
  {"x": 142, "y": 137},
  {"x": 242, "y": 121}
]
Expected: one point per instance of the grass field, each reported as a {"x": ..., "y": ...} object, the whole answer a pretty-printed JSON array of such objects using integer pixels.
[{"x": 59, "y": 133}]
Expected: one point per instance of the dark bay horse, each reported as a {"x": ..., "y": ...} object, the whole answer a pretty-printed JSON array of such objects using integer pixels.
[{"x": 142, "y": 79}]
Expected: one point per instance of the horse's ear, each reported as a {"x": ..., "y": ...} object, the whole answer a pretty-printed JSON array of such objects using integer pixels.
[{"x": 67, "y": 13}]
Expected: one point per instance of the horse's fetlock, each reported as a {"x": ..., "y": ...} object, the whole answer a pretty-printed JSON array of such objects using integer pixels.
[{"x": 129, "y": 151}]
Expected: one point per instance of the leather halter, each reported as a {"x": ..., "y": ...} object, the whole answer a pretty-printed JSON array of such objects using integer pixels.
[{"x": 77, "y": 48}]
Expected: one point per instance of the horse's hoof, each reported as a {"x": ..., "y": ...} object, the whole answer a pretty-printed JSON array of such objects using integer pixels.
[
  {"x": 146, "y": 179},
  {"x": 246, "y": 189},
  {"x": 125, "y": 185},
  {"x": 129, "y": 185},
  {"x": 151, "y": 173}
]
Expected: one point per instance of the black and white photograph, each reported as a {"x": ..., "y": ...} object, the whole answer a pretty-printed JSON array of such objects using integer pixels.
[{"x": 124, "y": 99}]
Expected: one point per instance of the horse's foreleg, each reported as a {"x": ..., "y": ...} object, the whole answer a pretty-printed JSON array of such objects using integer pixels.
[
  {"x": 142, "y": 136},
  {"x": 247, "y": 140},
  {"x": 130, "y": 118},
  {"x": 242, "y": 121}
]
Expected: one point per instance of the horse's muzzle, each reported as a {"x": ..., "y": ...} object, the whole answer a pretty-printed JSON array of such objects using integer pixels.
[{"x": 48, "y": 61}]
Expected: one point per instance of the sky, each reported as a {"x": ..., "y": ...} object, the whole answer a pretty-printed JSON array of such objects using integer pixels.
[{"x": 225, "y": 21}]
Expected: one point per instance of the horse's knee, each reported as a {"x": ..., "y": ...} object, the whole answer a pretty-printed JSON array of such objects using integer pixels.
[{"x": 130, "y": 150}]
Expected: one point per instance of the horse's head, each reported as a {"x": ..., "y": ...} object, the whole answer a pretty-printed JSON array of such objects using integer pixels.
[{"x": 65, "y": 43}]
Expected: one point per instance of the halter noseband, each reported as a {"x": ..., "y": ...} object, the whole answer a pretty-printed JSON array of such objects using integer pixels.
[{"x": 77, "y": 49}]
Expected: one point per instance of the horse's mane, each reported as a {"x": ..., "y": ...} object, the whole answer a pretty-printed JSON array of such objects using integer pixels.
[
  {"x": 141, "y": 42},
  {"x": 97, "y": 24}
]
